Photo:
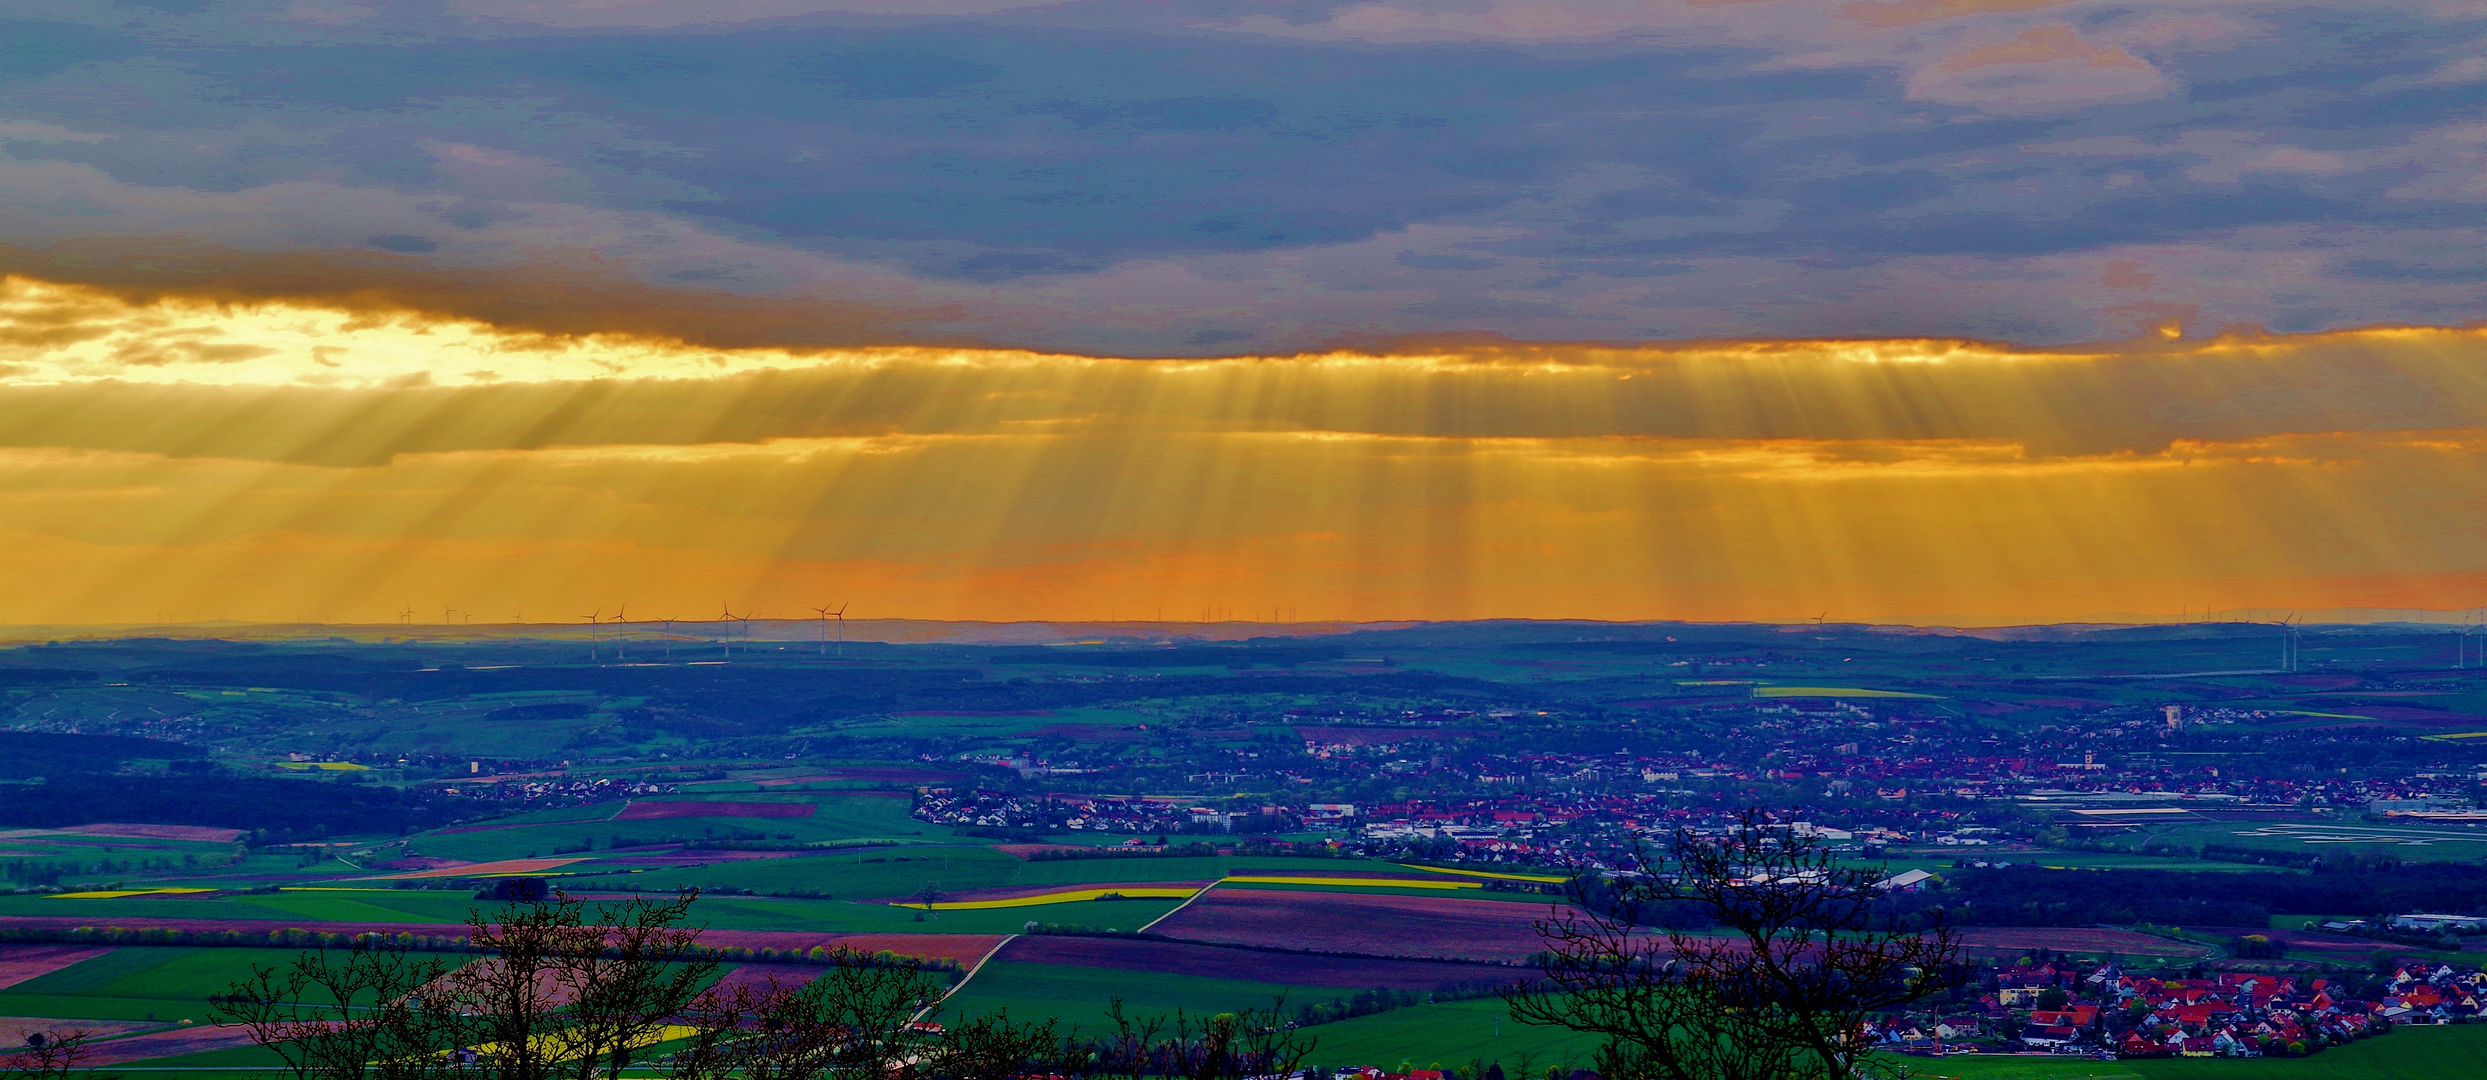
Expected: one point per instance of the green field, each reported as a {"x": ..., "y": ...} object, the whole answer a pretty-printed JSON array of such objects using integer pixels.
[
  {"x": 1539, "y": 899},
  {"x": 839, "y": 916},
  {"x": 841, "y": 816},
  {"x": 1077, "y": 996},
  {"x": 2421, "y": 1053},
  {"x": 894, "y": 874},
  {"x": 1451, "y": 1034},
  {"x": 862, "y": 875},
  {"x": 137, "y": 983},
  {"x": 1940, "y": 859},
  {"x": 2412, "y": 842},
  {"x": 411, "y": 906}
]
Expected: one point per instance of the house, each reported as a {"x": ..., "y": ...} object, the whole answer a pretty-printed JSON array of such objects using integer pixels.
[
  {"x": 2048, "y": 1038},
  {"x": 1908, "y": 882}
]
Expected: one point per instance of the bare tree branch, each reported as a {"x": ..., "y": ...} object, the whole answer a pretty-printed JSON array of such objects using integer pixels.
[{"x": 1779, "y": 983}]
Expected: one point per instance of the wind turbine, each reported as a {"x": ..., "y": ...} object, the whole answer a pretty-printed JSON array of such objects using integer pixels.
[
  {"x": 592, "y": 620},
  {"x": 621, "y": 643},
  {"x": 827, "y": 613},
  {"x": 725, "y": 629}
]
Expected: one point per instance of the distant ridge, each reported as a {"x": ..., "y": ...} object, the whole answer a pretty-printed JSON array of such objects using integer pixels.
[{"x": 1142, "y": 634}]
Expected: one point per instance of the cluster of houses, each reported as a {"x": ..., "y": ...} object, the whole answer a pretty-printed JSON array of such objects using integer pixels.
[
  {"x": 2433, "y": 994},
  {"x": 541, "y": 792},
  {"x": 2064, "y": 1008},
  {"x": 1134, "y": 814}
]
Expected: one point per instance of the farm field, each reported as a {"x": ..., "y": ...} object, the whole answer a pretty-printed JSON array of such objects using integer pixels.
[
  {"x": 1054, "y": 895},
  {"x": 897, "y": 873},
  {"x": 2406, "y": 842},
  {"x": 1991, "y": 941},
  {"x": 19, "y": 963},
  {"x": 1077, "y": 997},
  {"x": 2313, "y": 945},
  {"x": 1452, "y": 1034},
  {"x": 761, "y": 913},
  {"x": 377, "y": 905},
  {"x": 833, "y": 816},
  {"x": 137, "y": 983},
  {"x": 857, "y": 875},
  {"x": 724, "y": 915},
  {"x": 2417, "y": 1053},
  {"x": 1417, "y": 926},
  {"x": 1247, "y": 965},
  {"x": 1941, "y": 859}
]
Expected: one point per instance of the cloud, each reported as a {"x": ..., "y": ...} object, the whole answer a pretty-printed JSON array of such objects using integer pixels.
[
  {"x": 666, "y": 14},
  {"x": 2279, "y": 159},
  {"x": 2042, "y": 69},
  {"x": 1722, "y": 479},
  {"x": 1160, "y": 179},
  {"x": 1891, "y": 14},
  {"x": 36, "y": 131}
]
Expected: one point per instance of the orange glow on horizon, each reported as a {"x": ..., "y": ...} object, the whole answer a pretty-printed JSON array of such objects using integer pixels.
[{"x": 284, "y": 462}]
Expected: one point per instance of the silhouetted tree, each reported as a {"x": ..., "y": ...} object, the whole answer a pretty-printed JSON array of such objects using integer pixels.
[{"x": 1781, "y": 991}]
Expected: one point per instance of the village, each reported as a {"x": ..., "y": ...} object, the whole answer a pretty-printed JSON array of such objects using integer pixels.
[{"x": 2061, "y": 1007}]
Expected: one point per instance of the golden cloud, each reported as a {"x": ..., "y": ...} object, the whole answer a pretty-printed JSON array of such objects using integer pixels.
[{"x": 284, "y": 459}]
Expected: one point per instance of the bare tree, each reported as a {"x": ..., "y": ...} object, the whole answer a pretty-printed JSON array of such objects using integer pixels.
[
  {"x": 560, "y": 995},
  {"x": 1219, "y": 1046},
  {"x": 628, "y": 981},
  {"x": 1778, "y": 985},
  {"x": 1128, "y": 1050},
  {"x": 1231, "y": 1046},
  {"x": 861, "y": 1018},
  {"x": 989, "y": 1047},
  {"x": 565, "y": 995},
  {"x": 53, "y": 1055},
  {"x": 342, "y": 1015}
]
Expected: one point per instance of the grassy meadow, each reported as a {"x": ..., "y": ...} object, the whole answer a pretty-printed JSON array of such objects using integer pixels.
[{"x": 2418, "y": 1053}]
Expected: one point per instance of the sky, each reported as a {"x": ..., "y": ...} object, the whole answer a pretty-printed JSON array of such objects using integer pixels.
[{"x": 1894, "y": 310}]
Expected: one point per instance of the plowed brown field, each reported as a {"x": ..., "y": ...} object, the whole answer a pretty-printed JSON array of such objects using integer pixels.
[
  {"x": 159, "y": 832},
  {"x": 19, "y": 963},
  {"x": 1210, "y": 961},
  {"x": 194, "y": 1039},
  {"x": 1412, "y": 926},
  {"x": 2073, "y": 939}
]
